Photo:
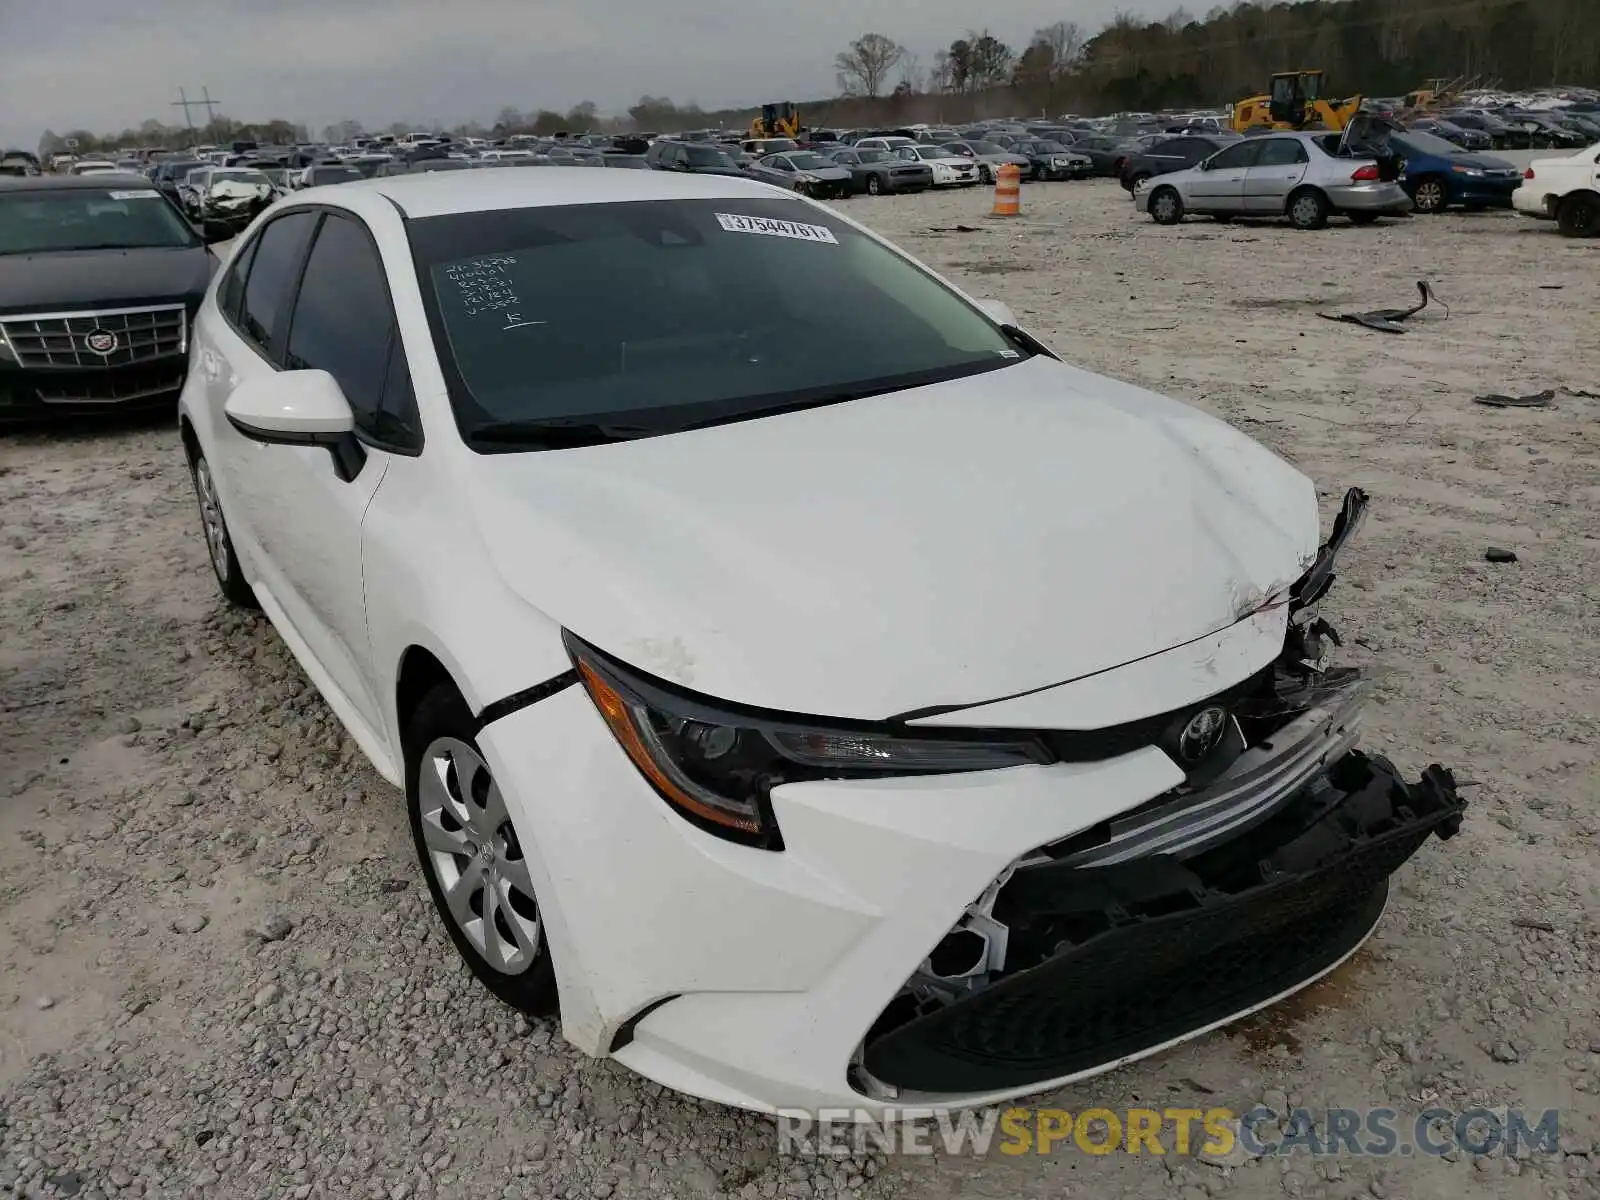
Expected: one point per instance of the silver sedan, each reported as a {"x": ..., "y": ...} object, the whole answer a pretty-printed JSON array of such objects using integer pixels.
[{"x": 1303, "y": 176}]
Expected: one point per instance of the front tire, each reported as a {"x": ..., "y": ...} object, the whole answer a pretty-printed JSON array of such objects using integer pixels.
[
  {"x": 1308, "y": 209},
  {"x": 1430, "y": 196},
  {"x": 472, "y": 857},
  {"x": 1166, "y": 206},
  {"x": 219, "y": 542},
  {"x": 1578, "y": 215}
]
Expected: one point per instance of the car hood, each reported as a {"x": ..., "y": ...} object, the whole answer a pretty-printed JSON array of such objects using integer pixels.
[
  {"x": 944, "y": 545},
  {"x": 827, "y": 172},
  {"x": 102, "y": 278}
]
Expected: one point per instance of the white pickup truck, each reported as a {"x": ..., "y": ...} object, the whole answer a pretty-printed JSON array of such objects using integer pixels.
[{"x": 1564, "y": 190}]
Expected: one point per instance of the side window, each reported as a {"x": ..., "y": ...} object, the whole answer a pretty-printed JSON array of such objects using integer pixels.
[
  {"x": 1282, "y": 152},
  {"x": 343, "y": 319},
  {"x": 277, "y": 257},
  {"x": 230, "y": 292},
  {"x": 1240, "y": 154}
]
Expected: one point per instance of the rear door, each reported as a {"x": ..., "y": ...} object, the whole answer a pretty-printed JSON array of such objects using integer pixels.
[
  {"x": 1219, "y": 185},
  {"x": 1278, "y": 170}
]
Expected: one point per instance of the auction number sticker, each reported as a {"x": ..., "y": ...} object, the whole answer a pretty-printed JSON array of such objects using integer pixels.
[
  {"x": 136, "y": 195},
  {"x": 738, "y": 223}
]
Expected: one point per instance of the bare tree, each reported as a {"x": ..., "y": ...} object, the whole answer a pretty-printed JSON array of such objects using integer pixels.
[
  {"x": 865, "y": 66},
  {"x": 1065, "y": 40},
  {"x": 910, "y": 73}
]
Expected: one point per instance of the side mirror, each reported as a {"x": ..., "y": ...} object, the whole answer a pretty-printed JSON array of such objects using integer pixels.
[
  {"x": 299, "y": 408},
  {"x": 998, "y": 311},
  {"x": 212, "y": 232}
]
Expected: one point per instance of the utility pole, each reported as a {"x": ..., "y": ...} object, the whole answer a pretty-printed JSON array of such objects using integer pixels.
[{"x": 186, "y": 104}]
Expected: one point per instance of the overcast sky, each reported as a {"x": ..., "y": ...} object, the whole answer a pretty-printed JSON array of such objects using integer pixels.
[{"x": 108, "y": 64}]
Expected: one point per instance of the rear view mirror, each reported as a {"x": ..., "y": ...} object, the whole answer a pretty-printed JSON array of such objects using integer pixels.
[{"x": 298, "y": 408}]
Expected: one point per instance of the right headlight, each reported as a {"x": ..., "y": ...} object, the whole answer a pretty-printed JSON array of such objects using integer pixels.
[{"x": 717, "y": 766}]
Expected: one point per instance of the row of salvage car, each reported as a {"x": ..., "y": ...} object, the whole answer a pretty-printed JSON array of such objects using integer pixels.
[{"x": 1372, "y": 169}]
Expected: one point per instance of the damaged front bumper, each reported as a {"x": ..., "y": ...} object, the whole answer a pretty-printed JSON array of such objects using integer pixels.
[{"x": 1105, "y": 962}]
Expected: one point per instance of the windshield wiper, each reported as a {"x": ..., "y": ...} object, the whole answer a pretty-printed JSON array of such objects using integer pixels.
[
  {"x": 1024, "y": 340},
  {"x": 556, "y": 434}
]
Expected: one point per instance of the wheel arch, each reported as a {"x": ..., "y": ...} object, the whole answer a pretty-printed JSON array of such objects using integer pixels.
[
  {"x": 190, "y": 439},
  {"x": 418, "y": 673}
]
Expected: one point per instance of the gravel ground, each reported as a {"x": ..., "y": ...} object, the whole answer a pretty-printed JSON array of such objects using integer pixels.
[{"x": 220, "y": 976}]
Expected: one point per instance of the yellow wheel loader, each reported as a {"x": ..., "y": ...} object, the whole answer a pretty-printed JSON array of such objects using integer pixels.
[
  {"x": 778, "y": 119},
  {"x": 1295, "y": 102}
]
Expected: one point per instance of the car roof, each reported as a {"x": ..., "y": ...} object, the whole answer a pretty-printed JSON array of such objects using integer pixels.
[
  {"x": 70, "y": 183},
  {"x": 447, "y": 192}
]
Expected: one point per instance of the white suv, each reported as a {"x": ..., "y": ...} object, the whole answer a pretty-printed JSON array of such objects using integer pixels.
[{"x": 1564, "y": 190}]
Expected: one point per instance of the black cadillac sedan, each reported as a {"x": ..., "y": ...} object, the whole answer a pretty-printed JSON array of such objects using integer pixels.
[{"x": 99, "y": 277}]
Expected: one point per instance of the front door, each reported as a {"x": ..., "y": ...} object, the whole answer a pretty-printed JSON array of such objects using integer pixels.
[
  {"x": 302, "y": 520},
  {"x": 1218, "y": 186}
]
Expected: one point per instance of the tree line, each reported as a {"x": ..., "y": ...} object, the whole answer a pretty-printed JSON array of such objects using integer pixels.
[{"x": 1372, "y": 47}]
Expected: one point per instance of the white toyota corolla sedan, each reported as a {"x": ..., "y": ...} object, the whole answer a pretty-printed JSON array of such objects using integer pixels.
[{"x": 829, "y": 694}]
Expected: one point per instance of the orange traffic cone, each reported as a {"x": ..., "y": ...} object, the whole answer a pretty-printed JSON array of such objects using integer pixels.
[{"x": 1007, "y": 191}]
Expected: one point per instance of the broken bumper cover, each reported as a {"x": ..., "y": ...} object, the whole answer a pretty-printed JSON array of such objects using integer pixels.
[{"x": 1140, "y": 954}]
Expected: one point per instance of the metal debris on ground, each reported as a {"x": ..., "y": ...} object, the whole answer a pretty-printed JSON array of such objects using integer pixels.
[
  {"x": 1388, "y": 320},
  {"x": 1536, "y": 400}
]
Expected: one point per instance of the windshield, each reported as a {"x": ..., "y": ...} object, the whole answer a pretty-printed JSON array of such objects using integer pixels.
[
  {"x": 333, "y": 175},
  {"x": 1049, "y": 148},
  {"x": 986, "y": 148},
  {"x": 707, "y": 156},
  {"x": 872, "y": 156},
  {"x": 654, "y": 316},
  {"x": 811, "y": 162},
  {"x": 930, "y": 152},
  {"x": 775, "y": 146},
  {"x": 1416, "y": 142},
  {"x": 114, "y": 219}
]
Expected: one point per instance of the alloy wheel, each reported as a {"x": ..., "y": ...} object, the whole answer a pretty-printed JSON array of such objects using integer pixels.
[
  {"x": 216, "y": 530},
  {"x": 475, "y": 857},
  {"x": 1430, "y": 195}
]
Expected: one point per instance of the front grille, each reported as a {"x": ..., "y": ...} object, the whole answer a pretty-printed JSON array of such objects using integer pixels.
[
  {"x": 125, "y": 336},
  {"x": 87, "y": 387}
]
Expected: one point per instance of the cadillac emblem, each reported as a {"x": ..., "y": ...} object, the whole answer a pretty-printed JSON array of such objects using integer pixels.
[{"x": 101, "y": 341}]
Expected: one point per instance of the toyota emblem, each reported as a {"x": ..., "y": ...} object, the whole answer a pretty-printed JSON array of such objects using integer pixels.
[
  {"x": 1202, "y": 734},
  {"x": 101, "y": 341}
]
